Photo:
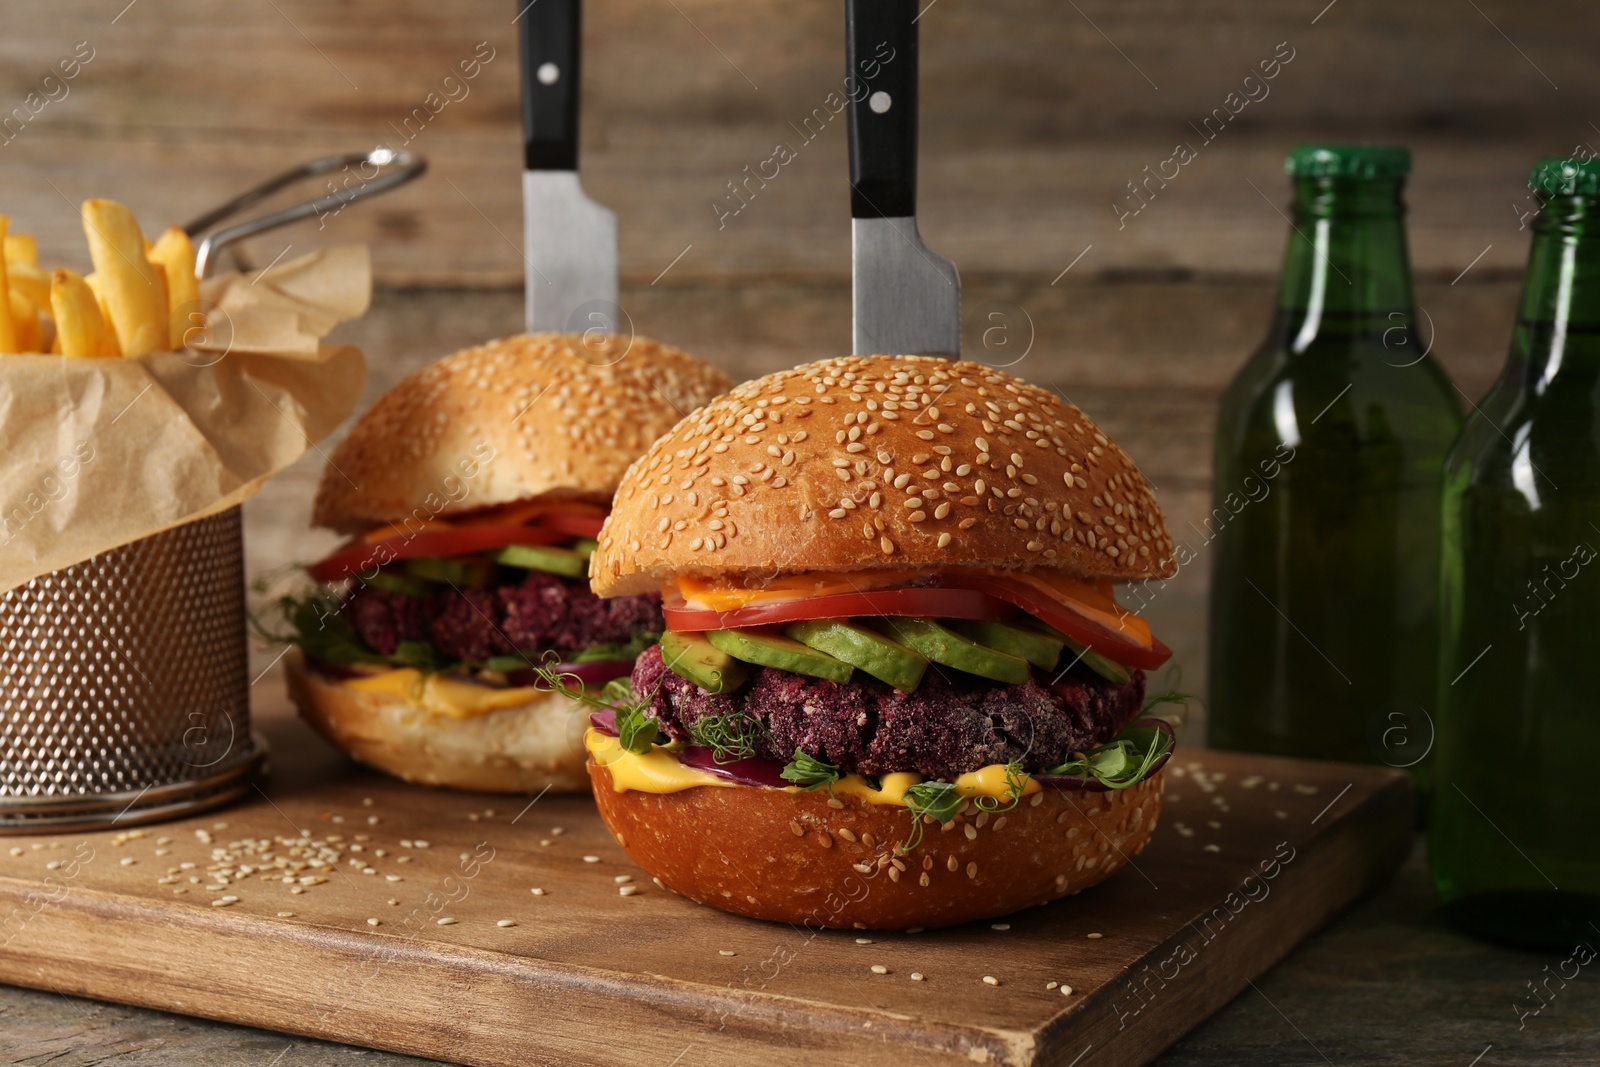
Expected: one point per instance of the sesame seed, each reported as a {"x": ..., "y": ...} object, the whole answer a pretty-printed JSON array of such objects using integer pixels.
[
  {"x": 374, "y": 922},
  {"x": 446, "y": 921},
  {"x": 591, "y": 859},
  {"x": 878, "y": 968},
  {"x": 724, "y": 952},
  {"x": 537, "y": 892},
  {"x": 503, "y": 923},
  {"x": 1000, "y": 926},
  {"x": 1066, "y": 991},
  {"x": 1094, "y": 937},
  {"x": 627, "y": 890},
  {"x": 285, "y": 914},
  {"x": 916, "y": 976},
  {"x": 990, "y": 979},
  {"x": 863, "y": 940}
]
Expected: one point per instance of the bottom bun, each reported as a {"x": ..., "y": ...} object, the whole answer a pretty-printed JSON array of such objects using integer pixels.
[
  {"x": 521, "y": 749},
  {"x": 817, "y": 860}
]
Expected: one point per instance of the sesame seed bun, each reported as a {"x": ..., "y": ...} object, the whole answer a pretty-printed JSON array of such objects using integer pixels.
[
  {"x": 522, "y": 749},
  {"x": 503, "y": 422},
  {"x": 808, "y": 858},
  {"x": 882, "y": 461}
]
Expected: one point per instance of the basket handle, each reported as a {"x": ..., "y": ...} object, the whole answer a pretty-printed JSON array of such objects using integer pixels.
[{"x": 393, "y": 169}]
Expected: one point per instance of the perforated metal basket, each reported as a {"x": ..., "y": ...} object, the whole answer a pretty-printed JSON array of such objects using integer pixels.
[{"x": 124, "y": 684}]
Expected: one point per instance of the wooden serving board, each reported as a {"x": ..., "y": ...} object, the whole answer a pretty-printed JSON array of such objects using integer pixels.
[{"x": 604, "y": 967}]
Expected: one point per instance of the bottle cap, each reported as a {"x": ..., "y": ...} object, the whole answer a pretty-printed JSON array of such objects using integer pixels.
[
  {"x": 1559, "y": 176},
  {"x": 1348, "y": 161}
]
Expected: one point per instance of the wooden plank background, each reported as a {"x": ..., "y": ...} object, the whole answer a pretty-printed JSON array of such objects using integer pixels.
[
  {"x": 1035, "y": 117},
  {"x": 1036, "y": 114}
]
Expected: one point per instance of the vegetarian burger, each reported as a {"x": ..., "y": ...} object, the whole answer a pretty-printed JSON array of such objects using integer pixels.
[
  {"x": 894, "y": 688},
  {"x": 473, "y": 491}
]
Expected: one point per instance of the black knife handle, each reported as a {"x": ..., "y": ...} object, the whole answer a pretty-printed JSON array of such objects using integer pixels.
[
  {"x": 881, "y": 51},
  {"x": 551, "y": 36}
]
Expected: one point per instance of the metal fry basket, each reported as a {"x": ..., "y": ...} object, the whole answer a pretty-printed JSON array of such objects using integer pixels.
[{"x": 124, "y": 684}]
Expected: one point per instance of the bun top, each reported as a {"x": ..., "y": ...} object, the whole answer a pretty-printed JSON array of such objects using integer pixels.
[
  {"x": 881, "y": 461},
  {"x": 509, "y": 420}
]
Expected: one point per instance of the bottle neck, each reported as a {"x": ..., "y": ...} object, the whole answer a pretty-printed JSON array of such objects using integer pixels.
[
  {"x": 1345, "y": 273},
  {"x": 1558, "y": 320}
]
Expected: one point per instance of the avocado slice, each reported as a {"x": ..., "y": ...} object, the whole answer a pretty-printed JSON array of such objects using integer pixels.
[
  {"x": 1037, "y": 647},
  {"x": 462, "y": 571},
  {"x": 769, "y": 648},
  {"x": 1108, "y": 669},
  {"x": 691, "y": 656},
  {"x": 886, "y": 660},
  {"x": 562, "y": 561},
  {"x": 395, "y": 582},
  {"x": 951, "y": 649}
]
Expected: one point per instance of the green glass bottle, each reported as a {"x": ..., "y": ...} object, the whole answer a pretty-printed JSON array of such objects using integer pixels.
[
  {"x": 1329, "y": 448},
  {"x": 1515, "y": 839}
]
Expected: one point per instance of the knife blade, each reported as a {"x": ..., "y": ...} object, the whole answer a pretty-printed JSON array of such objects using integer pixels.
[
  {"x": 569, "y": 241},
  {"x": 905, "y": 297}
]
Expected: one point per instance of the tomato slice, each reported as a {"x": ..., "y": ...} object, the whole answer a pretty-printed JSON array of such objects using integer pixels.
[
  {"x": 1101, "y": 631},
  {"x": 943, "y": 603},
  {"x": 530, "y": 511},
  {"x": 435, "y": 542},
  {"x": 574, "y": 524}
]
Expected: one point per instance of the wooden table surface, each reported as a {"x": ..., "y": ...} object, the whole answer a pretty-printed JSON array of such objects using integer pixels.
[{"x": 1387, "y": 983}]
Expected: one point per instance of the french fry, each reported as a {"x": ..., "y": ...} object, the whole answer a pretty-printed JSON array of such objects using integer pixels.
[
  {"x": 8, "y": 330},
  {"x": 20, "y": 248},
  {"x": 130, "y": 284},
  {"x": 29, "y": 281},
  {"x": 174, "y": 251},
  {"x": 25, "y": 320},
  {"x": 112, "y": 346},
  {"x": 80, "y": 329}
]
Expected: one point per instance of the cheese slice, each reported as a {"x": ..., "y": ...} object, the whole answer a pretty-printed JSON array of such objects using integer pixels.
[
  {"x": 701, "y": 593},
  {"x": 444, "y": 696},
  {"x": 658, "y": 771},
  {"x": 1091, "y": 597}
]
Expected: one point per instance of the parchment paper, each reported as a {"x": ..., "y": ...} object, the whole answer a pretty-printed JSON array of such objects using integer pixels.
[{"x": 100, "y": 452}]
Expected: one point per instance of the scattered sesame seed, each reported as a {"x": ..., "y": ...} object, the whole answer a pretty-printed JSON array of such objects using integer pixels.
[
  {"x": 285, "y": 914},
  {"x": 502, "y": 923},
  {"x": 878, "y": 968},
  {"x": 990, "y": 979},
  {"x": 1051, "y": 985},
  {"x": 224, "y": 902},
  {"x": 537, "y": 892},
  {"x": 628, "y": 890},
  {"x": 863, "y": 940},
  {"x": 916, "y": 976},
  {"x": 1095, "y": 937},
  {"x": 392, "y": 902},
  {"x": 623, "y": 879},
  {"x": 1211, "y": 848},
  {"x": 420, "y": 843},
  {"x": 1000, "y": 926},
  {"x": 724, "y": 952},
  {"x": 127, "y": 861},
  {"x": 1066, "y": 991},
  {"x": 374, "y": 922},
  {"x": 446, "y": 921},
  {"x": 591, "y": 859}
]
